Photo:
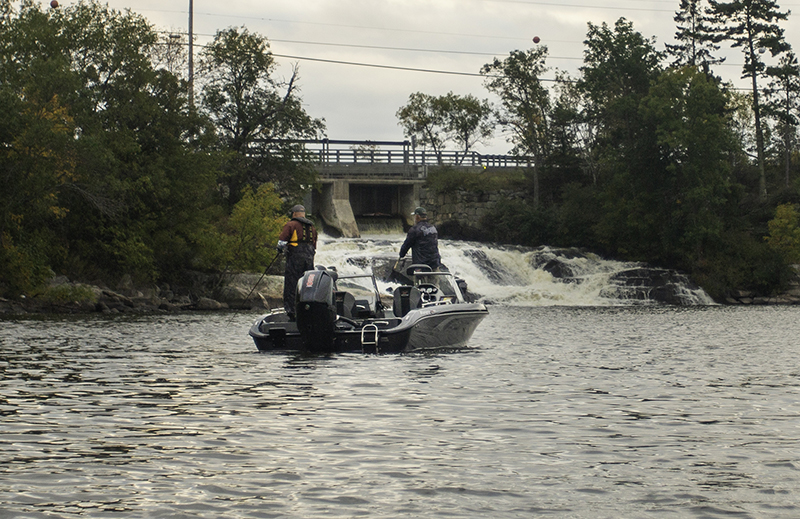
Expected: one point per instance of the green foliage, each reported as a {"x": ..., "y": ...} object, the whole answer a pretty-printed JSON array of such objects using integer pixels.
[
  {"x": 22, "y": 267},
  {"x": 784, "y": 233},
  {"x": 520, "y": 223},
  {"x": 108, "y": 169},
  {"x": 445, "y": 179},
  {"x": 688, "y": 112},
  {"x": 739, "y": 261},
  {"x": 696, "y": 39},
  {"x": 251, "y": 109},
  {"x": 435, "y": 121},
  {"x": 422, "y": 120},
  {"x": 66, "y": 293},
  {"x": 102, "y": 149},
  {"x": 752, "y": 25},
  {"x": 246, "y": 240},
  {"x": 579, "y": 213},
  {"x": 525, "y": 102},
  {"x": 467, "y": 120},
  {"x": 619, "y": 65}
]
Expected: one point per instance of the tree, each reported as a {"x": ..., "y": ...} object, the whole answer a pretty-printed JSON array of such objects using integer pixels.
[
  {"x": 467, "y": 120},
  {"x": 525, "y": 108},
  {"x": 619, "y": 67},
  {"x": 133, "y": 172},
  {"x": 256, "y": 114},
  {"x": 422, "y": 120},
  {"x": 752, "y": 26},
  {"x": 171, "y": 54},
  {"x": 434, "y": 121},
  {"x": 148, "y": 172},
  {"x": 37, "y": 148},
  {"x": 688, "y": 185},
  {"x": 783, "y": 103},
  {"x": 784, "y": 233},
  {"x": 246, "y": 239},
  {"x": 37, "y": 159},
  {"x": 697, "y": 41}
]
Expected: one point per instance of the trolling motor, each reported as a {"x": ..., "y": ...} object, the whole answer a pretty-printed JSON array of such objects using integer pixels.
[{"x": 315, "y": 310}]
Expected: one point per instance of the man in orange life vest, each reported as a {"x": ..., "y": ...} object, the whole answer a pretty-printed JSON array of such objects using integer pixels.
[{"x": 298, "y": 239}]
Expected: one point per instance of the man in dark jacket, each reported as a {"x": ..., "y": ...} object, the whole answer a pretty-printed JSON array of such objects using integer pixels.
[
  {"x": 298, "y": 239},
  {"x": 423, "y": 240}
]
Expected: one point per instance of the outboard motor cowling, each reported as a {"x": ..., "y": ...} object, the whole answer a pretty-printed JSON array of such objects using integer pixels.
[{"x": 316, "y": 311}]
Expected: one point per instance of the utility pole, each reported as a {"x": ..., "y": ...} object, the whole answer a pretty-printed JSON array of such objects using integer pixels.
[{"x": 191, "y": 52}]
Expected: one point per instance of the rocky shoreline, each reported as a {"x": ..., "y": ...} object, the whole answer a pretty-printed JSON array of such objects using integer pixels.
[
  {"x": 203, "y": 293},
  {"x": 246, "y": 291},
  {"x": 790, "y": 297}
]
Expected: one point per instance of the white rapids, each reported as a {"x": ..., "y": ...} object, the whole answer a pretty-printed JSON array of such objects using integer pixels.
[{"x": 502, "y": 274}]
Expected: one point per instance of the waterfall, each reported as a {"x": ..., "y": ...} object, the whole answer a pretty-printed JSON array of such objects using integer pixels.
[
  {"x": 380, "y": 224},
  {"x": 523, "y": 276}
]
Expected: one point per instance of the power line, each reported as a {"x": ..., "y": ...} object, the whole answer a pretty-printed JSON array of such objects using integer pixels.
[
  {"x": 417, "y": 31},
  {"x": 429, "y": 71},
  {"x": 405, "y": 49},
  {"x": 393, "y": 67},
  {"x": 379, "y": 47}
]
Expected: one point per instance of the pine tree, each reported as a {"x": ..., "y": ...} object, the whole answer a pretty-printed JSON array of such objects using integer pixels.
[
  {"x": 752, "y": 25},
  {"x": 783, "y": 96},
  {"x": 697, "y": 40}
]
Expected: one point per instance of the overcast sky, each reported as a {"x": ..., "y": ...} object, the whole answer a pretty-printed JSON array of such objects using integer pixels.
[{"x": 327, "y": 38}]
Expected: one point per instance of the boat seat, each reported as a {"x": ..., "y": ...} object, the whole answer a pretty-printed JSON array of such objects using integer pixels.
[
  {"x": 405, "y": 299},
  {"x": 364, "y": 308},
  {"x": 345, "y": 304}
]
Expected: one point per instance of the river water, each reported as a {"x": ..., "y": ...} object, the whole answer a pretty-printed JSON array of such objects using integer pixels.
[{"x": 553, "y": 411}]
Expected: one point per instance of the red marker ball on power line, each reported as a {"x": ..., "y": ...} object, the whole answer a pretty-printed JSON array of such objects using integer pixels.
[
  {"x": 535, "y": 38},
  {"x": 54, "y": 4}
]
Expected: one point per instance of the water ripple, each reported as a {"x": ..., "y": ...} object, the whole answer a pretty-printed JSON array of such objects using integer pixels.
[{"x": 565, "y": 412}]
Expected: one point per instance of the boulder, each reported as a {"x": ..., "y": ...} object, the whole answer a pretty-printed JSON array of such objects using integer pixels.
[
  {"x": 654, "y": 284},
  {"x": 251, "y": 291},
  {"x": 565, "y": 265},
  {"x": 206, "y": 303}
]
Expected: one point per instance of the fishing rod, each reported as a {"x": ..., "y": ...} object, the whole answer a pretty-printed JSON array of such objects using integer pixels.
[{"x": 257, "y": 282}]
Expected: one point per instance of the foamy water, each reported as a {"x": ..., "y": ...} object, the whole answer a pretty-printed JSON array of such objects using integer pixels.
[{"x": 497, "y": 274}]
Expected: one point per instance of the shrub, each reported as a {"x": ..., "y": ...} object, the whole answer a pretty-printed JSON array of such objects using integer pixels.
[
  {"x": 446, "y": 179},
  {"x": 784, "y": 233},
  {"x": 67, "y": 293}
]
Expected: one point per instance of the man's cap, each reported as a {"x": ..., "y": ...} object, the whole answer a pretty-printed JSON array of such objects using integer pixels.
[
  {"x": 298, "y": 209},
  {"x": 420, "y": 211}
]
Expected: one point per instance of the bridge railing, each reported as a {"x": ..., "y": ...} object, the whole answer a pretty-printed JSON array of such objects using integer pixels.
[{"x": 330, "y": 152}]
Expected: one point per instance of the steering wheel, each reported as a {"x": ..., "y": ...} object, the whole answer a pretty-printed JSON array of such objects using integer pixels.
[{"x": 428, "y": 291}]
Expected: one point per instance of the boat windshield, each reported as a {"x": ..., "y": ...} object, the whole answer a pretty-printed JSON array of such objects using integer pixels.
[
  {"x": 362, "y": 285},
  {"x": 445, "y": 282}
]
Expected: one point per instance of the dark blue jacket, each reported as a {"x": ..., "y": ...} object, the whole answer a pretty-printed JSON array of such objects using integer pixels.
[{"x": 423, "y": 240}]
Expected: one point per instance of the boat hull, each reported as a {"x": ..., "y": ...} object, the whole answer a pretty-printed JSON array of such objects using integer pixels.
[{"x": 429, "y": 328}]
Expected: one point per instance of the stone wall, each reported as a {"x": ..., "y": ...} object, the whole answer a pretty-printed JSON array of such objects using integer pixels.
[{"x": 461, "y": 213}]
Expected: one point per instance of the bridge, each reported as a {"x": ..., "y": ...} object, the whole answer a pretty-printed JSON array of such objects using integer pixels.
[{"x": 381, "y": 179}]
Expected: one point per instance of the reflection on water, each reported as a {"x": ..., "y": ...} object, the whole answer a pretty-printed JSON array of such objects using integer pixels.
[{"x": 565, "y": 412}]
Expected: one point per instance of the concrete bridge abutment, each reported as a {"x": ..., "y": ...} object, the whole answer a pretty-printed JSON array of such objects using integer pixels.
[
  {"x": 335, "y": 208},
  {"x": 342, "y": 201}
]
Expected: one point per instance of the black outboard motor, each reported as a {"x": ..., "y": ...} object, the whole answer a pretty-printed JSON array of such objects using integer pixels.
[{"x": 316, "y": 310}]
